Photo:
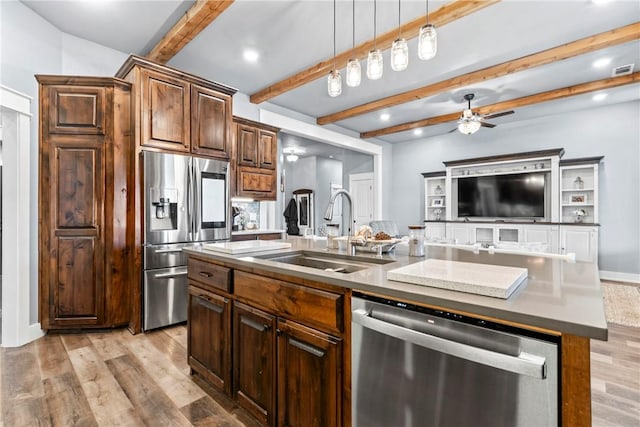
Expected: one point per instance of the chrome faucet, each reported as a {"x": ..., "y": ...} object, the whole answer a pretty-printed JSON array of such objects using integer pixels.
[{"x": 328, "y": 214}]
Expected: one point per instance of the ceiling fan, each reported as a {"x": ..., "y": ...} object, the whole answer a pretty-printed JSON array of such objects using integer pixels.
[{"x": 470, "y": 122}]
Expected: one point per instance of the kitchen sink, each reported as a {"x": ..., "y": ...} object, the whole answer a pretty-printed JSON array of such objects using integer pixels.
[{"x": 328, "y": 262}]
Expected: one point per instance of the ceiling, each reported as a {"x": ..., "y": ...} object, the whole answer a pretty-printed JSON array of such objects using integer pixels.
[{"x": 291, "y": 36}]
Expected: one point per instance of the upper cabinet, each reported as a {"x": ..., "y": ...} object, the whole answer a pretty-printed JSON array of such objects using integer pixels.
[
  {"x": 177, "y": 111},
  {"x": 257, "y": 154}
]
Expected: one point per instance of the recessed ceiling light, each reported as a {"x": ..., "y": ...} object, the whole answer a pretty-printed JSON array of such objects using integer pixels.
[
  {"x": 599, "y": 96},
  {"x": 331, "y": 157},
  {"x": 602, "y": 62},
  {"x": 250, "y": 55},
  {"x": 385, "y": 116},
  {"x": 417, "y": 132}
]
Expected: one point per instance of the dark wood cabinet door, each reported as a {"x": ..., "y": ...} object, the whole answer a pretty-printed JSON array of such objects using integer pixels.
[
  {"x": 77, "y": 110},
  {"x": 267, "y": 149},
  {"x": 209, "y": 336},
  {"x": 76, "y": 251},
  {"x": 165, "y": 112},
  {"x": 309, "y": 377},
  {"x": 254, "y": 361},
  {"x": 256, "y": 183},
  {"x": 247, "y": 140},
  {"x": 210, "y": 122}
]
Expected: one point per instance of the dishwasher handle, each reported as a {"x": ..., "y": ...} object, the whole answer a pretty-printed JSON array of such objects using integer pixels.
[{"x": 523, "y": 364}]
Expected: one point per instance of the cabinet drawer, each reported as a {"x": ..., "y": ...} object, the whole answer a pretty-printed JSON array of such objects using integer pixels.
[
  {"x": 210, "y": 275},
  {"x": 306, "y": 305}
]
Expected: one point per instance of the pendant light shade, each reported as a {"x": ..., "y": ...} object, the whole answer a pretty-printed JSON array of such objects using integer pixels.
[
  {"x": 427, "y": 42},
  {"x": 374, "y": 64},
  {"x": 354, "y": 73},
  {"x": 374, "y": 59},
  {"x": 399, "y": 55},
  {"x": 334, "y": 83}
]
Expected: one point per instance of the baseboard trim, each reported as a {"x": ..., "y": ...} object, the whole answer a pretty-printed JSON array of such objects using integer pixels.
[{"x": 620, "y": 277}]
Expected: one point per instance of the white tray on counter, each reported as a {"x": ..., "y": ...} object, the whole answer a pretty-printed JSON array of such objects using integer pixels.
[
  {"x": 245, "y": 246},
  {"x": 483, "y": 279}
]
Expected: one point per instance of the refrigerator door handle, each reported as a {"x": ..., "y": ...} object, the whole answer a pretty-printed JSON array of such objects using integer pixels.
[
  {"x": 197, "y": 199},
  {"x": 190, "y": 198}
]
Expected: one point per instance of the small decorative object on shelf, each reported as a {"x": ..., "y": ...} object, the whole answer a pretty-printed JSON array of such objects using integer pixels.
[
  {"x": 580, "y": 214},
  {"x": 578, "y": 183},
  {"x": 438, "y": 190},
  {"x": 437, "y": 202},
  {"x": 437, "y": 213},
  {"x": 578, "y": 198}
]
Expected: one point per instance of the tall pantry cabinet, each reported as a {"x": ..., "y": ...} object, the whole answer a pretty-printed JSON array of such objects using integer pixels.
[{"x": 85, "y": 146}]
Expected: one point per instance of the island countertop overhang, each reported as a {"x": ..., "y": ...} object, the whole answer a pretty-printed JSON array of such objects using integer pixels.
[{"x": 557, "y": 296}]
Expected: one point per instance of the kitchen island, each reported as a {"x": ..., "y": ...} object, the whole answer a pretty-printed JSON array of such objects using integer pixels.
[{"x": 557, "y": 298}]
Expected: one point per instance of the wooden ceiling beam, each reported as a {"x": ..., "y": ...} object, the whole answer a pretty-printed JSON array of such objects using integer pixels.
[
  {"x": 196, "y": 19},
  {"x": 551, "y": 95},
  {"x": 444, "y": 15},
  {"x": 588, "y": 44}
]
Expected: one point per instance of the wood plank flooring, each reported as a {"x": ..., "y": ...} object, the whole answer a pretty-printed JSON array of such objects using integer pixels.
[{"x": 118, "y": 379}]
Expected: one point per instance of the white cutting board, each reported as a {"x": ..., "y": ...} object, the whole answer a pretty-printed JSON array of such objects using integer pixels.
[
  {"x": 245, "y": 246},
  {"x": 482, "y": 279}
]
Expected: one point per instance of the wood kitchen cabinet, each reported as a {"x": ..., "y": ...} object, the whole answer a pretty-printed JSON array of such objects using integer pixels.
[
  {"x": 179, "y": 112},
  {"x": 84, "y": 166},
  {"x": 309, "y": 376},
  {"x": 286, "y": 352},
  {"x": 209, "y": 336},
  {"x": 254, "y": 368},
  {"x": 257, "y": 152}
]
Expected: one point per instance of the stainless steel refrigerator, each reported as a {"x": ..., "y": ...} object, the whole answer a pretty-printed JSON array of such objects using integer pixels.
[{"x": 186, "y": 203}]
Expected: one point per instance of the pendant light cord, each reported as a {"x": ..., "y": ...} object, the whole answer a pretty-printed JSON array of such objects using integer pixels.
[
  {"x": 427, "y": 10},
  {"x": 353, "y": 24},
  {"x": 374, "y": 24},
  {"x": 334, "y": 34},
  {"x": 399, "y": 19}
]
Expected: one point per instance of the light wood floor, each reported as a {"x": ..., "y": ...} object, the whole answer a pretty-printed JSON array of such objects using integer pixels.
[{"x": 117, "y": 379}]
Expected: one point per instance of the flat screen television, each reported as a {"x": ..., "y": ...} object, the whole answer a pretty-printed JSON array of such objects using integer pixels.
[{"x": 519, "y": 195}]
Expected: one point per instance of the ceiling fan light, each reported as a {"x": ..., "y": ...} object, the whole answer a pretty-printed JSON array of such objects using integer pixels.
[
  {"x": 354, "y": 73},
  {"x": 427, "y": 42},
  {"x": 469, "y": 127},
  {"x": 399, "y": 55},
  {"x": 374, "y": 64},
  {"x": 334, "y": 83},
  {"x": 292, "y": 157}
]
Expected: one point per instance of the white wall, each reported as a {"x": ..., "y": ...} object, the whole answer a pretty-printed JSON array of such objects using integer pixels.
[{"x": 612, "y": 131}]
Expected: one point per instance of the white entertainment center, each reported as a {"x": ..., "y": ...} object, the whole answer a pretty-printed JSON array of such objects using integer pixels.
[{"x": 567, "y": 223}]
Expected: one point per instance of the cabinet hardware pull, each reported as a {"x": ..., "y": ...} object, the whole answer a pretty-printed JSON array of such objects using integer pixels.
[
  {"x": 306, "y": 347},
  {"x": 204, "y": 301},
  {"x": 205, "y": 274},
  {"x": 253, "y": 324}
]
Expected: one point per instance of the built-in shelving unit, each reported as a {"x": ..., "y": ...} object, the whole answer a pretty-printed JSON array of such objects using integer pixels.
[
  {"x": 571, "y": 188},
  {"x": 435, "y": 195},
  {"x": 579, "y": 190}
]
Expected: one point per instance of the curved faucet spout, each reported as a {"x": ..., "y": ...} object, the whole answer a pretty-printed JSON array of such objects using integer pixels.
[{"x": 328, "y": 215}]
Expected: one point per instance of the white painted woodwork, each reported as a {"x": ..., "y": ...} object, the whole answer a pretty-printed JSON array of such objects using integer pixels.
[{"x": 361, "y": 189}]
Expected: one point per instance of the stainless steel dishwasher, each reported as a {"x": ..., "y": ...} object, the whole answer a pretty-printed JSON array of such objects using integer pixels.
[{"x": 413, "y": 366}]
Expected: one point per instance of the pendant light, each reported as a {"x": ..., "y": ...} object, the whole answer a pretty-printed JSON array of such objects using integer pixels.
[
  {"x": 399, "y": 50},
  {"x": 427, "y": 39},
  {"x": 334, "y": 82},
  {"x": 354, "y": 72},
  {"x": 374, "y": 59}
]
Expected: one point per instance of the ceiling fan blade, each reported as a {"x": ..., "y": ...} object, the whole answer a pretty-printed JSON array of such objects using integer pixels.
[
  {"x": 504, "y": 113},
  {"x": 487, "y": 125}
]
